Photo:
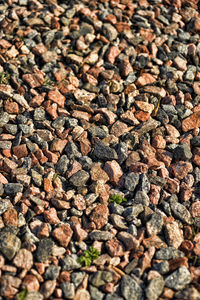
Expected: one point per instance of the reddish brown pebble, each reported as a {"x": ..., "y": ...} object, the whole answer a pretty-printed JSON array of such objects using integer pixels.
[
  {"x": 23, "y": 259},
  {"x": 63, "y": 234},
  {"x": 20, "y": 151},
  {"x": 100, "y": 215},
  {"x": 191, "y": 122},
  {"x": 30, "y": 283},
  {"x": 10, "y": 217},
  {"x": 50, "y": 216},
  {"x": 57, "y": 97},
  {"x": 114, "y": 171}
]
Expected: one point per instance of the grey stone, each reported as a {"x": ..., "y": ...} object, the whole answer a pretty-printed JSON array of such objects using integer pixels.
[
  {"x": 179, "y": 279},
  {"x": 1, "y": 189},
  {"x": 122, "y": 151},
  {"x": 59, "y": 122},
  {"x": 147, "y": 126},
  {"x": 133, "y": 211},
  {"x": 68, "y": 290},
  {"x": 132, "y": 229},
  {"x": 79, "y": 178},
  {"x": 131, "y": 181},
  {"x": 141, "y": 197},
  {"x": 97, "y": 131},
  {"x": 77, "y": 278},
  {"x": 71, "y": 122},
  {"x": 130, "y": 289},
  {"x": 116, "y": 208},
  {"x": 195, "y": 141},
  {"x": 25, "y": 129},
  {"x": 36, "y": 177},
  {"x": 5, "y": 145},
  {"x": 118, "y": 222},
  {"x": 86, "y": 162},
  {"x": 11, "y": 128},
  {"x": 131, "y": 266},
  {"x": 113, "y": 297},
  {"x": 155, "y": 224},
  {"x": 4, "y": 205},
  {"x": 110, "y": 32},
  {"x": 168, "y": 253},
  {"x": 182, "y": 152},
  {"x": 13, "y": 188},
  {"x": 52, "y": 272},
  {"x": 70, "y": 262},
  {"x": 155, "y": 288},
  {"x": 100, "y": 278},
  {"x": 95, "y": 293},
  {"x": 39, "y": 114},
  {"x": 181, "y": 212},
  {"x": 99, "y": 235},
  {"x": 162, "y": 267},
  {"x": 9, "y": 244},
  {"x": 104, "y": 152},
  {"x": 34, "y": 295},
  {"x": 4, "y": 119},
  {"x": 44, "y": 249},
  {"x": 144, "y": 183},
  {"x": 62, "y": 165},
  {"x": 72, "y": 150}
]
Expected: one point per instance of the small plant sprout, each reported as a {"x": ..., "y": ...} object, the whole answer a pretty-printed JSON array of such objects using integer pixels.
[
  {"x": 117, "y": 199},
  {"x": 48, "y": 81},
  {"x": 22, "y": 295},
  {"x": 4, "y": 77},
  {"x": 89, "y": 256}
]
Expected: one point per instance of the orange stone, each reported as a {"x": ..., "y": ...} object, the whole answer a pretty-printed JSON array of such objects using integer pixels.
[
  {"x": 144, "y": 79},
  {"x": 57, "y": 97},
  {"x": 20, "y": 151},
  {"x": 192, "y": 122},
  {"x": 142, "y": 116},
  {"x": 48, "y": 187}
]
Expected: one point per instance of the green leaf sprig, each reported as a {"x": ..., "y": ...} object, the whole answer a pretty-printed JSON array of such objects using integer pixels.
[{"x": 89, "y": 256}]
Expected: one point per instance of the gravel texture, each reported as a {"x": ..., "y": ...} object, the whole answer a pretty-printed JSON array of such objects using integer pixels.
[{"x": 99, "y": 149}]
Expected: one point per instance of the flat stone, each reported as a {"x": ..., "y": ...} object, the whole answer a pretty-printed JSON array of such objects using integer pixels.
[
  {"x": 100, "y": 278},
  {"x": 9, "y": 244},
  {"x": 69, "y": 262},
  {"x": 44, "y": 249},
  {"x": 168, "y": 253},
  {"x": 104, "y": 152},
  {"x": 179, "y": 279},
  {"x": 79, "y": 179},
  {"x": 130, "y": 289},
  {"x": 182, "y": 152},
  {"x": 13, "y": 188},
  {"x": 131, "y": 181},
  {"x": 155, "y": 224},
  {"x": 68, "y": 290},
  {"x": 155, "y": 288},
  {"x": 100, "y": 235}
]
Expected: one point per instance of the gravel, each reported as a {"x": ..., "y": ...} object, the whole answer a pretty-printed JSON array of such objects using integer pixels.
[{"x": 99, "y": 100}]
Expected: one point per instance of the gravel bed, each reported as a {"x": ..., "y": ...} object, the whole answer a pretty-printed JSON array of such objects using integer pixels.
[{"x": 99, "y": 149}]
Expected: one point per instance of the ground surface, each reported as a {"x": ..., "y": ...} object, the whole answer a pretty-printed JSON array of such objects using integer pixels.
[{"x": 99, "y": 149}]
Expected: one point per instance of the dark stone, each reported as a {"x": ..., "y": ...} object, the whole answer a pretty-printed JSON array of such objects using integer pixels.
[{"x": 44, "y": 249}]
